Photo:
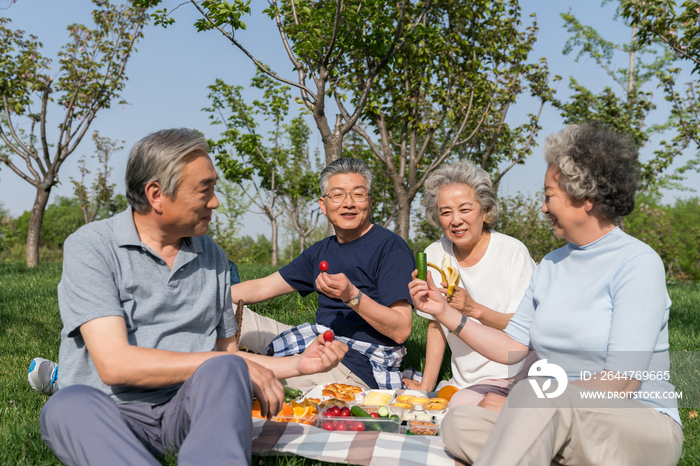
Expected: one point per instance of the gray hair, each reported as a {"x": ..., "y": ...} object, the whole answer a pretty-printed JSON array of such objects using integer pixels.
[
  {"x": 596, "y": 163},
  {"x": 345, "y": 165},
  {"x": 462, "y": 172},
  {"x": 160, "y": 157}
]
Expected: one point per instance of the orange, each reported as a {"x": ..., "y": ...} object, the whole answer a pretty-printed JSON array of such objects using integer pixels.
[
  {"x": 447, "y": 391},
  {"x": 297, "y": 404},
  {"x": 302, "y": 411},
  {"x": 287, "y": 410},
  {"x": 256, "y": 409}
]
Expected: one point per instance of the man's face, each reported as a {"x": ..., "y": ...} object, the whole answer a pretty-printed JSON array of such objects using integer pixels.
[
  {"x": 189, "y": 212},
  {"x": 349, "y": 215}
]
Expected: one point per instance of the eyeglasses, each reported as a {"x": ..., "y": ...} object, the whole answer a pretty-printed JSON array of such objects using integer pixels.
[{"x": 337, "y": 195}]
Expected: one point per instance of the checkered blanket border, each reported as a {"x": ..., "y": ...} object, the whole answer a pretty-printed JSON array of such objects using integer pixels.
[{"x": 365, "y": 448}]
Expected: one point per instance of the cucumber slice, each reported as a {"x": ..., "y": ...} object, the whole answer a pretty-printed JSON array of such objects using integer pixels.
[{"x": 383, "y": 411}]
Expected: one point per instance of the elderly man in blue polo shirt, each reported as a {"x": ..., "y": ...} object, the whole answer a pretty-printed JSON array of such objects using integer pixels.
[{"x": 149, "y": 357}]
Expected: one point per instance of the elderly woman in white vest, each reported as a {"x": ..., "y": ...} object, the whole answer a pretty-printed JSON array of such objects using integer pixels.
[{"x": 494, "y": 271}]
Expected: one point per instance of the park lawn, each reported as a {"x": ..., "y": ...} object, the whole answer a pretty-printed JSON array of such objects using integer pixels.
[{"x": 30, "y": 326}]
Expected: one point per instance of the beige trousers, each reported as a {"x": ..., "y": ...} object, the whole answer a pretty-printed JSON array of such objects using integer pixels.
[
  {"x": 258, "y": 331},
  {"x": 570, "y": 431}
]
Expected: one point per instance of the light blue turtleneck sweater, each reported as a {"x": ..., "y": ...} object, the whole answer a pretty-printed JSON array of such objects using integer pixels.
[{"x": 602, "y": 306}]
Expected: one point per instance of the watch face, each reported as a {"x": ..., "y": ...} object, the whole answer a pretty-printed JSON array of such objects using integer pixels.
[{"x": 356, "y": 300}]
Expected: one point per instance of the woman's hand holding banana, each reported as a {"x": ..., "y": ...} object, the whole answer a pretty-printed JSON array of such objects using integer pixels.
[{"x": 450, "y": 275}]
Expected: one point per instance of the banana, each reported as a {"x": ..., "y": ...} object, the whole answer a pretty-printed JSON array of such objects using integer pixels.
[{"x": 450, "y": 275}]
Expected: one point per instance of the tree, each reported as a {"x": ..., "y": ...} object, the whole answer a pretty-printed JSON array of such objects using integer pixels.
[
  {"x": 91, "y": 75},
  {"x": 6, "y": 227},
  {"x": 300, "y": 182},
  {"x": 62, "y": 217},
  {"x": 319, "y": 37},
  {"x": 102, "y": 191},
  {"x": 678, "y": 29},
  {"x": 449, "y": 96},
  {"x": 226, "y": 225},
  {"x": 273, "y": 175},
  {"x": 384, "y": 204},
  {"x": 660, "y": 21},
  {"x": 629, "y": 111},
  {"x": 673, "y": 231}
]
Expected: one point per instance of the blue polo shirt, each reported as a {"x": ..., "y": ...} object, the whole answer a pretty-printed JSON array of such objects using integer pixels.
[
  {"x": 108, "y": 271},
  {"x": 379, "y": 263}
]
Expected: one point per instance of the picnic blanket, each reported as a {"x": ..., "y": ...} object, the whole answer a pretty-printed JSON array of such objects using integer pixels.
[{"x": 366, "y": 448}]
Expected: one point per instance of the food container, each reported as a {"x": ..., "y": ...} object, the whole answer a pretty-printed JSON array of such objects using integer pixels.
[
  {"x": 332, "y": 422},
  {"x": 399, "y": 409},
  {"x": 429, "y": 428},
  {"x": 418, "y": 415}
]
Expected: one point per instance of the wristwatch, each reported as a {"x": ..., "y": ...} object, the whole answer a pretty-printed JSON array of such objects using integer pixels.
[{"x": 356, "y": 300}]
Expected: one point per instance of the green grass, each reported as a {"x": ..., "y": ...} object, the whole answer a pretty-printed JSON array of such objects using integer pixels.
[{"x": 30, "y": 326}]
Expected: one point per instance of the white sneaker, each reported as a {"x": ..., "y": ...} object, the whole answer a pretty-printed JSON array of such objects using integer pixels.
[{"x": 42, "y": 376}]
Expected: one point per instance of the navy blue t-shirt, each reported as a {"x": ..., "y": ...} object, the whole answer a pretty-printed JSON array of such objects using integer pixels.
[{"x": 379, "y": 263}]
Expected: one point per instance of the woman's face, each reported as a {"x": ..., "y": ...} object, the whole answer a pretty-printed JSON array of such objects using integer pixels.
[
  {"x": 566, "y": 214},
  {"x": 461, "y": 216}
]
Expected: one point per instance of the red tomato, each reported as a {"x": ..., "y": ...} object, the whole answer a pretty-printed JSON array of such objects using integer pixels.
[
  {"x": 340, "y": 425},
  {"x": 357, "y": 427},
  {"x": 328, "y": 335},
  {"x": 333, "y": 411},
  {"x": 323, "y": 266},
  {"x": 374, "y": 415},
  {"x": 345, "y": 411},
  {"x": 328, "y": 425}
]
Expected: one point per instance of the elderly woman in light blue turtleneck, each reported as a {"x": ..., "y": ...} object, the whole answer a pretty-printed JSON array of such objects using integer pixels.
[{"x": 597, "y": 306}]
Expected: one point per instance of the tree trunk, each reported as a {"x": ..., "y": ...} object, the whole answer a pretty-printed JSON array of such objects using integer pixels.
[
  {"x": 40, "y": 201},
  {"x": 403, "y": 217},
  {"x": 273, "y": 224}
]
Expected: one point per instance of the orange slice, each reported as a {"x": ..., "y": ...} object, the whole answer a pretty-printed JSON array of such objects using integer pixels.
[{"x": 302, "y": 411}]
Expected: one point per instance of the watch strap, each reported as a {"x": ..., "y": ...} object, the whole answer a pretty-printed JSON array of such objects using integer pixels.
[{"x": 461, "y": 325}]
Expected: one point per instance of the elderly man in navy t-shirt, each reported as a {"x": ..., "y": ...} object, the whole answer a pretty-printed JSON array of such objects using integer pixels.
[{"x": 363, "y": 297}]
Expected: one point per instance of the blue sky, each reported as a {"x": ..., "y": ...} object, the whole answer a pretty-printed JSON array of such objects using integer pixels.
[{"x": 169, "y": 74}]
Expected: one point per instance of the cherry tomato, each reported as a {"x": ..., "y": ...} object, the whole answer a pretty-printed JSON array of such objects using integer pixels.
[
  {"x": 328, "y": 425},
  {"x": 340, "y": 425},
  {"x": 328, "y": 335},
  {"x": 374, "y": 415},
  {"x": 323, "y": 266},
  {"x": 357, "y": 427},
  {"x": 333, "y": 411},
  {"x": 345, "y": 411}
]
